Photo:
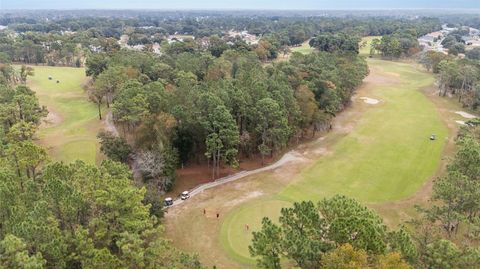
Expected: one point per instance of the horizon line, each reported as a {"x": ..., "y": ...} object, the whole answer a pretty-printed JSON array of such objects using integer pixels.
[{"x": 243, "y": 9}]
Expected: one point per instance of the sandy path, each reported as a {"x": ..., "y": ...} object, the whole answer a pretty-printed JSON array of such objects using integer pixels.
[
  {"x": 289, "y": 157},
  {"x": 465, "y": 114},
  {"x": 370, "y": 101},
  {"x": 109, "y": 125}
]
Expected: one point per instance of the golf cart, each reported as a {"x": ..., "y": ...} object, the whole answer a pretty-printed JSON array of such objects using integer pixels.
[
  {"x": 185, "y": 195},
  {"x": 433, "y": 137},
  {"x": 168, "y": 201}
]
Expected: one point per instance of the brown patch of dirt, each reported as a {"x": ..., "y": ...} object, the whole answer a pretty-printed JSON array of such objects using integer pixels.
[
  {"x": 193, "y": 174},
  {"x": 52, "y": 119}
]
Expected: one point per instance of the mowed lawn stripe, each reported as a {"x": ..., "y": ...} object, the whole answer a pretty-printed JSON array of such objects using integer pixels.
[
  {"x": 73, "y": 135},
  {"x": 388, "y": 156}
]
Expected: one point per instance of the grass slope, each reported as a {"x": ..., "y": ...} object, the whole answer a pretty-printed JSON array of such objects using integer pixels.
[
  {"x": 387, "y": 156},
  {"x": 71, "y": 134}
]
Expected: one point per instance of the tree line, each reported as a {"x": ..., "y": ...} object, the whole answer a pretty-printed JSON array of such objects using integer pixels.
[
  {"x": 191, "y": 106},
  {"x": 68, "y": 40},
  {"x": 402, "y": 43},
  {"x": 57, "y": 215},
  {"x": 455, "y": 76}
]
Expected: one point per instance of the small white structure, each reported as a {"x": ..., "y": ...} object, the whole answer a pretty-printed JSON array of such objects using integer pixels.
[
  {"x": 185, "y": 195},
  {"x": 168, "y": 201}
]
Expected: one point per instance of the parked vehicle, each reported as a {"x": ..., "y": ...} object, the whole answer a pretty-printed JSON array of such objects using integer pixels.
[
  {"x": 168, "y": 201},
  {"x": 185, "y": 195}
]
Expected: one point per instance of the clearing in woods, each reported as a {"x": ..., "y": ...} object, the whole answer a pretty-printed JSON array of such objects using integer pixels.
[
  {"x": 69, "y": 131},
  {"x": 304, "y": 48},
  {"x": 377, "y": 153}
]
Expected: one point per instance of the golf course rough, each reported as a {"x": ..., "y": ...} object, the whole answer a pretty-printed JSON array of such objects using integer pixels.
[
  {"x": 72, "y": 135},
  {"x": 387, "y": 156}
]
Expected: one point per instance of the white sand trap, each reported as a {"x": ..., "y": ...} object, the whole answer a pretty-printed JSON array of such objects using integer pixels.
[
  {"x": 465, "y": 114},
  {"x": 461, "y": 122},
  {"x": 370, "y": 101}
]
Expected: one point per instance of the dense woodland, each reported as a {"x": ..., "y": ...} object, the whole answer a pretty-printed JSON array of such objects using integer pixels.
[
  {"x": 215, "y": 103},
  {"x": 68, "y": 41},
  {"x": 57, "y": 215},
  {"x": 190, "y": 106}
]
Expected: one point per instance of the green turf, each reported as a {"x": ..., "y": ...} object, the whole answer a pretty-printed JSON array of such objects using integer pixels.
[
  {"x": 304, "y": 48},
  {"x": 365, "y": 49},
  {"x": 387, "y": 156},
  {"x": 75, "y": 137},
  {"x": 234, "y": 229}
]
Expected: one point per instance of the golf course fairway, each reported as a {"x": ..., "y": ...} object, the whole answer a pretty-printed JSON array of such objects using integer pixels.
[
  {"x": 387, "y": 156},
  {"x": 69, "y": 131}
]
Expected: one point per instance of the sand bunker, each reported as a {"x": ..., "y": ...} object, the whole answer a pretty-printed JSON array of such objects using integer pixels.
[
  {"x": 370, "y": 101},
  {"x": 465, "y": 115},
  {"x": 461, "y": 122}
]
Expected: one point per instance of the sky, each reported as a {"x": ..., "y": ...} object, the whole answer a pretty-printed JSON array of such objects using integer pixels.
[{"x": 239, "y": 4}]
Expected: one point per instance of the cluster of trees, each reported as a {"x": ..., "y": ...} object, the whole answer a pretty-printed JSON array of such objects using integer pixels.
[
  {"x": 332, "y": 42},
  {"x": 340, "y": 233},
  {"x": 46, "y": 48},
  {"x": 191, "y": 105},
  {"x": 293, "y": 27},
  {"x": 401, "y": 43},
  {"x": 460, "y": 77},
  {"x": 68, "y": 39},
  {"x": 56, "y": 215},
  {"x": 454, "y": 42},
  {"x": 337, "y": 233}
]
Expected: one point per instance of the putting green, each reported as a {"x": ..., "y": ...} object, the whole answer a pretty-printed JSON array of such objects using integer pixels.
[
  {"x": 386, "y": 156},
  {"x": 235, "y": 230},
  {"x": 73, "y": 123}
]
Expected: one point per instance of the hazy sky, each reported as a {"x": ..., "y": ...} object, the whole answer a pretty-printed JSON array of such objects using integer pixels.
[{"x": 236, "y": 4}]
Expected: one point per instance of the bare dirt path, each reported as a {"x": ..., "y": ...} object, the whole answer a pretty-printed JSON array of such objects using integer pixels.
[
  {"x": 109, "y": 125},
  {"x": 289, "y": 157}
]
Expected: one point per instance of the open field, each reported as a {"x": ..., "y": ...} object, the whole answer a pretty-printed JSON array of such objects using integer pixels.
[
  {"x": 69, "y": 132},
  {"x": 377, "y": 153}
]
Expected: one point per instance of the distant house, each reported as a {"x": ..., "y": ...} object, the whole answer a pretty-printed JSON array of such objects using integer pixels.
[{"x": 244, "y": 35}]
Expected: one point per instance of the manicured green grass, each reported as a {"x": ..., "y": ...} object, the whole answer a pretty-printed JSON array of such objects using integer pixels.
[
  {"x": 304, "y": 48},
  {"x": 389, "y": 155},
  {"x": 72, "y": 135},
  {"x": 386, "y": 157},
  {"x": 365, "y": 49},
  {"x": 234, "y": 226}
]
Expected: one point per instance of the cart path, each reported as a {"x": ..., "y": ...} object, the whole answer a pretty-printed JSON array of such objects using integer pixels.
[
  {"x": 291, "y": 156},
  {"x": 109, "y": 125}
]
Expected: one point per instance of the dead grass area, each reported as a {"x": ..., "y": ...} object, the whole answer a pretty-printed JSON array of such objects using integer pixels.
[{"x": 194, "y": 174}]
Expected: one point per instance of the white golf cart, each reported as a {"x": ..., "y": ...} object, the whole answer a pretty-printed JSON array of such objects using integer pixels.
[
  {"x": 185, "y": 195},
  {"x": 168, "y": 201}
]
